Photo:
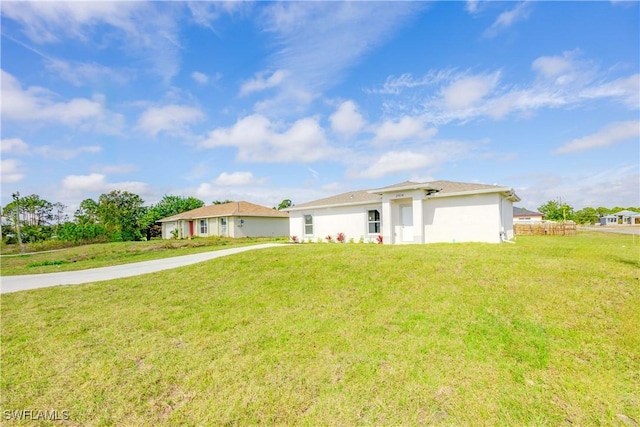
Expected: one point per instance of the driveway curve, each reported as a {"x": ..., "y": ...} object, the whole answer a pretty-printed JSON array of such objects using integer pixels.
[{"x": 34, "y": 281}]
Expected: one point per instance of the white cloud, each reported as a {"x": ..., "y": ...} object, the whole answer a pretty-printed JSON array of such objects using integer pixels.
[
  {"x": 96, "y": 183},
  {"x": 609, "y": 135},
  {"x": 54, "y": 152},
  {"x": 419, "y": 156},
  {"x": 149, "y": 29},
  {"x": 11, "y": 171},
  {"x": 395, "y": 85},
  {"x": 13, "y": 145},
  {"x": 260, "y": 82},
  {"x": 347, "y": 120},
  {"x": 562, "y": 81},
  {"x": 260, "y": 140},
  {"x": 115, "y": 169},
  {"x": 200, "y": 77},
  {"x": 617, "y": 186},
  {"x": 173, "y": 119},
  {"x": 18, "y": 146},
  {"x": 92, "y": 182},
  {"x": 393, "y": 162},
  {"x": 135, "y": 187},
  {"x": 37, "y": 103},
  {"x": 237, "y": 178},
  {"x": 206, "y": 13},
  {"x": 507, "y": 19},
  {"x": 552, "y": 66},
  {"x": 626, "y": 89},
  {"x": 317, "y": 41},
  {"x": 468, "y": 91},
  {"x": 405, "y": 128},
  {"x": 84, "y": 73},
  {"x": 471, "y": 6}
]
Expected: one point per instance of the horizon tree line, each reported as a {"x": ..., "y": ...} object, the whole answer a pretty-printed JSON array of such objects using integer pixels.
[{"x": 123, "y": 216}]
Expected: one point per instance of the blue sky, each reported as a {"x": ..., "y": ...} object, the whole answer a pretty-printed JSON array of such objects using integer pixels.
[{"x": 262, "y": 101}]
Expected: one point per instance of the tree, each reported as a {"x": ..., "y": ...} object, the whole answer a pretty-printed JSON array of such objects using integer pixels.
[
  {"x": 30, "y": 218},
  {"x": 168, "y": 206},
  {"x": 555, "y": 210},
  {"x": 222, "y": 202},
  {"x": 586, "y": 216},
  {"x": 87, "y": 212},
  {"x": 120, "y": 212},
  {"x": 286, "y": 203}
]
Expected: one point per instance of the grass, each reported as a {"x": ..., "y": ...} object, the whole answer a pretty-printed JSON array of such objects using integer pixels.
[
  {"x": 543, "y": 332},
  {"x": 106, "y": 254}
]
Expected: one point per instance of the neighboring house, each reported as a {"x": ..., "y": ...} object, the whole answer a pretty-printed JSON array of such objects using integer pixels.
[
  {"x": 236, "y": 219},
  {"x": 411, "y": 212},
  {"x": 521, "y": 215},
  {"x": 624, "y": 217}
]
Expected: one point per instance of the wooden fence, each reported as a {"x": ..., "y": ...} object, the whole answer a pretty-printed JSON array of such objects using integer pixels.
[{"x": 545, "y": 229}]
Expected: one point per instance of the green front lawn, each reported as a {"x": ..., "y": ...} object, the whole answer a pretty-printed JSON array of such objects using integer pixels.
[
  {"x": 543, "y": 332},
  {"x": 107, "y": 254}
]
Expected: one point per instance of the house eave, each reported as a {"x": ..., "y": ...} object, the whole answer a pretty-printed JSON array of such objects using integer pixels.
[
  {"x": 333, "y": 205},
  {"x": 508, "y": 193}
]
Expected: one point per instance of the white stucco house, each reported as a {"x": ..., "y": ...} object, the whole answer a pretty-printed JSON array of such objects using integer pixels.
[
  {"x": 624, "y": 217},
  {"x": 236, "y": 219},
  {"x": 410, "y": 212}
]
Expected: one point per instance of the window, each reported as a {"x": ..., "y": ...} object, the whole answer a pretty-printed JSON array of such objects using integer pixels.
[
  {"x": 203, "y": 226},
  {"x": 308, "y": 225},
  {"x": 223, "y": 226},
  {"x": 374, "y": 221}
]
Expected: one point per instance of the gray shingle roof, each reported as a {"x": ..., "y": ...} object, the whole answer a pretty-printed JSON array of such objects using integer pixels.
[
  {"x": 373, "y": 195},
  {"x": 522, "y": 211}
]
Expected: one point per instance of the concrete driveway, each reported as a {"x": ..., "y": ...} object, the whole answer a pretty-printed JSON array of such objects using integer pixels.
[{"x": 35, "y": 281}]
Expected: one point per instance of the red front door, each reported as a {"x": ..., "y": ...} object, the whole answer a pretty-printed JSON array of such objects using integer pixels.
[{"x": 190, "y": 228}]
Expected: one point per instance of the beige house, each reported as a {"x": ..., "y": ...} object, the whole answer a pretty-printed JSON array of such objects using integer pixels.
[
  {"x": 521, "y": 215},
  {"x": 236, "y": 219}
]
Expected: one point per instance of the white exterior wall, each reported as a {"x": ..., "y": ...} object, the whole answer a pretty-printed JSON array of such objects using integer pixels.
[
  {"x": 181, "y": 225},
  {"x": 253, "y": 226},
  {"x": 468, "y": 218},
  {"x": 474, "y": 218},
  {"x": 350, "y": 220},
  {"x": 167, "y": 228},
  {"x": 507, "y": 218},
  {"x": 527, "y": 219}
]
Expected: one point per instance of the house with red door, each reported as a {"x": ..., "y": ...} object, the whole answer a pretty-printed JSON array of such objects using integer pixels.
[{"x": 235, "y": 219}]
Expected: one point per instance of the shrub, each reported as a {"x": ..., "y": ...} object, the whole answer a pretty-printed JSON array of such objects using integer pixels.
[
  {"x": 329, "y": 238},
  {"x": 379, "y": 239},
  {"x": 340, "y": 237},
  {"x": 294, "y": 239}
]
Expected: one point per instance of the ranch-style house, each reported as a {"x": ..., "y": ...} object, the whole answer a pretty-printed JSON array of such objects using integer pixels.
[{"x": 410, "y": 212}]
